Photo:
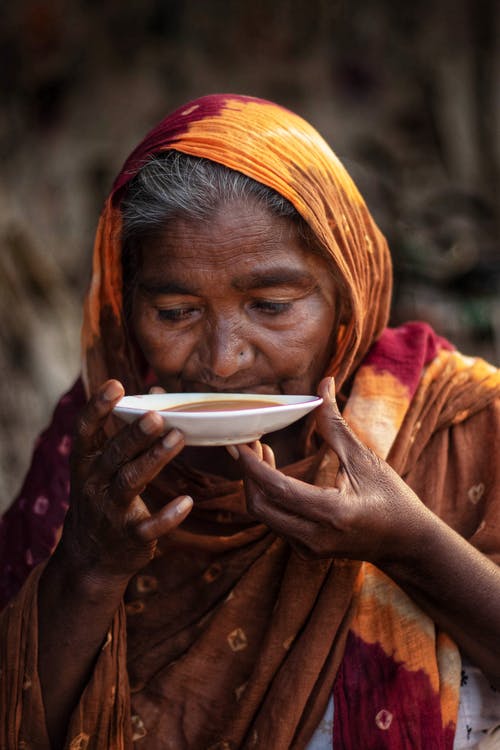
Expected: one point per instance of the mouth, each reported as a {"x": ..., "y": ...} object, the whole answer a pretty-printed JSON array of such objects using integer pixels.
[{"x": 262, "y": 388}]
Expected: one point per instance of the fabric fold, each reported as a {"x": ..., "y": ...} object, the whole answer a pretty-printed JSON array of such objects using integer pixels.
[
  {"x": 102, "y": 717},
  {"x": 227, "y": 639}
]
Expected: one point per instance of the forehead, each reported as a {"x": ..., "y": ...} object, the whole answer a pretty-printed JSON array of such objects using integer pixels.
[{"x": 240, "y": 236}]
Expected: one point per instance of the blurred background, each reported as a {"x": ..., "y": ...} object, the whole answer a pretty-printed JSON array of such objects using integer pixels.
[{"x": 408, "y": 94}]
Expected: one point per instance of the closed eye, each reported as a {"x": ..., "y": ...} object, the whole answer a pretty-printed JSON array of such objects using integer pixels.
[
  {"x": 270, "y": 307},
  {"x": 177, "y": 314}
]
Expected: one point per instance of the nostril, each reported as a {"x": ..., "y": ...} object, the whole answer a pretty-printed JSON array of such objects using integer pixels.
[{"x": 227, "y": 359}]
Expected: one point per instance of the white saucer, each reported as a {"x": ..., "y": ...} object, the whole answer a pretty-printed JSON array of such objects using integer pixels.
[{"x": 227, "y": 427}]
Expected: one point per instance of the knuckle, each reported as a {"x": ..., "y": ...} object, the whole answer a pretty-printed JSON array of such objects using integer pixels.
[
  {"x": 346, "y": 517},
  {"x": 83, "y": 429},
  {"x": 127, "y": 478},
  {"x": 335, "y": 421},
  {"x": 156, "y": 454},
  {"x": 295, "y": 494},
  {"x": 114, "y": 453},
  {"x": 254, "y": 504},
  {"x": 284, "y": 487}
]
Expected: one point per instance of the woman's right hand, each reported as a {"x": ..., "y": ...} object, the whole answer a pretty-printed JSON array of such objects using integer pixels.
[{"x": 109, "y": 533}]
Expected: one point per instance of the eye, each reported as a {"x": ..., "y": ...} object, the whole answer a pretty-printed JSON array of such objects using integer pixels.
[
  {"x": 270, "y": 307},
  {"x": 177, "y": 314}
]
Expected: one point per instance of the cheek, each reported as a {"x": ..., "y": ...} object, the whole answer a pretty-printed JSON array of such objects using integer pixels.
[
  {"x": 306, "y": 344},
  {"x": 314, "y": 328},
  {"x": 163, "y": 350}
]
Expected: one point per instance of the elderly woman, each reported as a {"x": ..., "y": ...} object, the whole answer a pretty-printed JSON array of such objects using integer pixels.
[{"x": 326, "y": 586}]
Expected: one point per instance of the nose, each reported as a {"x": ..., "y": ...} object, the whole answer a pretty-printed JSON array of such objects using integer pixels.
[{"x": 228, "y": 349}]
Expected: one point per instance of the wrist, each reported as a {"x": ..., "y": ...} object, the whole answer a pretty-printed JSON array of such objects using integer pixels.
[
  {"x": 83, "y": 579},
  {"x": 423, "y": 537}
]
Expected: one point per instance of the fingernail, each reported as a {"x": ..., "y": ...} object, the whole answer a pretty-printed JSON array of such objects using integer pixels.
[
  {"x": 149, "y": 423},
  {"x": 171, "y": 439},
  {"x": 184, "y": 505},
  {"x": 113, "y": 390},
  {"x": 233, "y": 451},
  {"x": 331, "y": 389}
]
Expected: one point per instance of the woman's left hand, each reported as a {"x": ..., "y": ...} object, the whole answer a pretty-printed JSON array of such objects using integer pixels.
[{"x": 369, "y": 513}]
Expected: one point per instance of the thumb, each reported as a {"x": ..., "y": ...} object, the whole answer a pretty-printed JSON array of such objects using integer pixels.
[{"x": 332, "y": 427}]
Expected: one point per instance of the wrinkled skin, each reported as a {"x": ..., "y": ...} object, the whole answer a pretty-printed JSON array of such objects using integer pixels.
[
  {"x": 108, "y": 535},
  {"x": 239, "y": 304},
  {"x": 109, "y": 531},
  {"x": 235, "y": 304},
  {"x": 369, "y": 514}
]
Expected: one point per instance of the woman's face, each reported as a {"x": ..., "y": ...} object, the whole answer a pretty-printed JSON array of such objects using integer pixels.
[{"x": 236, "y": 304}]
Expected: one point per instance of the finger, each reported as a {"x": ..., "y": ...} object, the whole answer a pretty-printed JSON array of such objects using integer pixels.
[
  {"x": 260, "y": 471},
  {"x": 256, "y": 446},
  {"x": 89, "y": 434},
  {"x": 134, "y": 476},
  {"x": 268, "y": 455},
  {"x": 130, "y": 442},
  {"x": 165, "y": 520},
  {"x": 233, "y": 451},
  {"x": 297, "y": 530},
  {"x": 290, "y": 494},
  {"x": 156, "y": 389},
  {"x": 333, "y": 428}
]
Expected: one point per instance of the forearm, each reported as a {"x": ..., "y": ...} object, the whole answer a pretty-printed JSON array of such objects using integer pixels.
[
  {"x": 75, "y": 612},
  {"x": 457, "y": 586}
]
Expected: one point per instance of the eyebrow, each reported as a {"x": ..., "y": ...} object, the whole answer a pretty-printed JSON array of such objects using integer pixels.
[
  {"x": 276, "y": 277},
  {"x": 255, "y": 280},
  {"x": 166, "y": 287}
]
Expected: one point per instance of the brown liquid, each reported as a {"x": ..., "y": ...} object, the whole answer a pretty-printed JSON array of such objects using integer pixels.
[{"x": 223, "y": 405}]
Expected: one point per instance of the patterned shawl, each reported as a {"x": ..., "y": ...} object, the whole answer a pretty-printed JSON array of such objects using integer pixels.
[{"x": 233, "y": 641}]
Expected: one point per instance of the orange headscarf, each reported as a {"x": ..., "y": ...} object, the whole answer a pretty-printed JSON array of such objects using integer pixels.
[{"x": 281, "y": 150}]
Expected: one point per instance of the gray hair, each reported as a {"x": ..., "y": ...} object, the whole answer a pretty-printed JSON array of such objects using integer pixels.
[{"x": 173, "y": 185}]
